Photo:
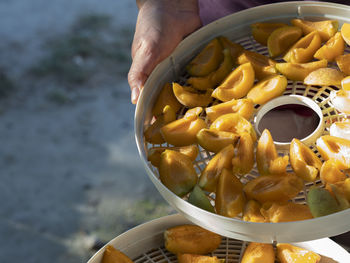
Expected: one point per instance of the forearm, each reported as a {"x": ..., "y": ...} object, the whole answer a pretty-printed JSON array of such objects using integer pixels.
[{"x": 180, "y": 4}]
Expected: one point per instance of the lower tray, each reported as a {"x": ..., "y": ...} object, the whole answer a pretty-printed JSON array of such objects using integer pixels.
[{"x": 145, "y": 243}]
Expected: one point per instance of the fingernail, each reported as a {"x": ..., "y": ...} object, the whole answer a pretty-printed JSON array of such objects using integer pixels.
[{"x": 135, "y": 95}]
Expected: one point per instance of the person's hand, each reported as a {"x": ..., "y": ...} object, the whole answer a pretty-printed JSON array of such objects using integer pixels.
[{"x": 161, "y": 25}]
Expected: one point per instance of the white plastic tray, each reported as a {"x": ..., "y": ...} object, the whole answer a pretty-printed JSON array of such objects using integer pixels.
[
  {"x": 237, "y": 28},
  {"x": 145, "y": 243}
]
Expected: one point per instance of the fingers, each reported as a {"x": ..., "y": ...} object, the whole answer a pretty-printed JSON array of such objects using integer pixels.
[{"x": 145, "y": 60}]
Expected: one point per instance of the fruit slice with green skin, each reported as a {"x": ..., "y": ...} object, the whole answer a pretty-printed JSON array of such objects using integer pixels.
[
  {"x": 321, "y": 202},
  {"x": 200, "y": 199},
  {"x": 177, "y": 173},
  {"x": 282, "y": 39}
]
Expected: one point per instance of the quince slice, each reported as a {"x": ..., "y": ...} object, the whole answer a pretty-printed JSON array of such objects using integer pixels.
[
  {"x": 166, "y": 97},
  {"x": 334, "y": 47},
  {"x": 330, "y": 172},
  {"x": 273, "y": 188},
  {"x": 345, "y": 83},
  {"x": 190, "y": 239},
  {"x": 298, "y": 71},
  {"x": 262, "y": 31},
  {"x": 207, "y": 60},
  {"x": 235, "y": 49},
  {"x": 214, "y": 140},
  {"x": 282, "y": 39},
  {"x": 177, "y": 173},
  {"x": 267, "y": 89},
  {"x": 263, "y": 66},
  {"x": 152, "y": 133},
  {"x": 245, "y": 107},
  {"x": 321, "y": 202},
  {"x": 304, "y": 161},
  {"x": 193, "y": 258},
  {"x": 191, "y": 97},
  {"x": 287, "y": 253},
  {"x": 111, "y": 255},
  {"x": 154, "y": 153},
  {"x": 229, "y": 200},
  {"x": 211, "y": 173},
  {"x": 345, "y": 32},
  {"x": 258, "y": 252},
  {"x": 252, "y": 212},
  {"x": 335, "y": 148},
  {"x": 237, "y": 84},
  {"x": 304, "y": 50},
  {"x": 214, "y": 78},
  {"x": 243, "y": 161},
  {"x": 343, "y": 62},
  {"x": 326, "y": 28},
  {"x": 198, "y": 198},
  {"x": 267, "y": 159},
  {"x": 233, "y": 122},
  {"x": 285, "y": 212},
  {"x": 324, "y": 77},
  {"x": 341, "y": 100},
  {"x": 182, "y": 132}
]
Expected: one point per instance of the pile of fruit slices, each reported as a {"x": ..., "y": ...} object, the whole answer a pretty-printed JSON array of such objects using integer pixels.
[
  {"x": 193, "y": 244},
  {"x": 213, "y": 109}
]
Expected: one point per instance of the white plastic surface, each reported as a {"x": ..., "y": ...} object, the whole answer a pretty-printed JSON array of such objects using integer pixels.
[
  {"x": 237, "y": 28},
  {"x": 145, "y": 243},
  {"x": 292, "y": 99}
]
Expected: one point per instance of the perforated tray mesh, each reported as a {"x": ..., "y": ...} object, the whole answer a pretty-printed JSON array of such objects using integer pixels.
[
  {"x": 319, "y": 94},
  {"x": 237, "y": 28}
]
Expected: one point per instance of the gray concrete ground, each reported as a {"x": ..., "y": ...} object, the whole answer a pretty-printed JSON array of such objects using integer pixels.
[{"x": 71, "y": 177}]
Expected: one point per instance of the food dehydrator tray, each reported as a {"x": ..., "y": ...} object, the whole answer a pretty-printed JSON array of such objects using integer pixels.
[
  {"x": 236, "y": 27},
  {"x": 145, "y": 244}
]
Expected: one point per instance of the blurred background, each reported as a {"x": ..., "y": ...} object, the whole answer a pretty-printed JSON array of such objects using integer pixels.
[{"x": 71, "y": 177}]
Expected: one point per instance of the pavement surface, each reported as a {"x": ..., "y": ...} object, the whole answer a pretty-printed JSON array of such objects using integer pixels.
[{"x": 71, "y": 177}]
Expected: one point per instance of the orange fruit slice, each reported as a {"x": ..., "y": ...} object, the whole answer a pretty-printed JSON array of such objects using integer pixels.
[
  {"x": 262, "y": 31},
  {"x": 343, "y": 63},
  {"x": 326, "y": 28},
  {"x": 345, "y": 32},
  {"x": 324, "y": 77},
  {"x": 282, "y": 39}
]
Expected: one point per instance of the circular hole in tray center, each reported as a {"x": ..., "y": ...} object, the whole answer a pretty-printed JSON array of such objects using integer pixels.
[{"x": 289, "y": 117}]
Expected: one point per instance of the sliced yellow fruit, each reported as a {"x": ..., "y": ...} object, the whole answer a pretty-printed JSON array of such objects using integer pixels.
[
  {"x": 343, "y": 63},
  {"x": 237, "y": 84},
  {"x": 235, "y": 49},
  {"x": 287, "y": 253},
  {"x": 345, "y": 32},
  {"x": 282, "y": 39},
  {"x": 245, "y": 107},
  {"x": 258, "y": 252},
  {"x": 333, "y": 48},
  {"x": 214, "y": 140},
  {"x": 267, "y": 89},
  {"x": 191, "y": 97},
  {"x": 345, "y": 83},
  {"x": 263, "y": 66},
  {"x": 233, "y": 122},
  {"x": 207, "y": 60},
  {"x": 166, "y": 97},
  {"x": 262, "y": 31},
  {"x": 324, "y": 77},
  {"x": 112, "y": 255},
  {"x": 298, "y": 71},
  {"x": 304, "y": 50},
  {"x": 326, "y": 28}
]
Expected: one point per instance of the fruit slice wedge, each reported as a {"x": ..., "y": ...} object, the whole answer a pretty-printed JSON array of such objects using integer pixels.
[
  {"x": 282, "y": 39},
  {"x": 324, "y": 77},
  {"x": 343, "y": 63},
  {"x": 299, "y": 71},
  {"x": 345, "y": 32},
  {"x": 333, "y": 48},
  {"x": 262, "y": 31},
  {"x": 326, "y": 28}
]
